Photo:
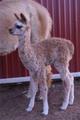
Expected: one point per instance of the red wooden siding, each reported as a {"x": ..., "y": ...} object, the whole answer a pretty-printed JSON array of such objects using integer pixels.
[{"x": 66, "y": 24}]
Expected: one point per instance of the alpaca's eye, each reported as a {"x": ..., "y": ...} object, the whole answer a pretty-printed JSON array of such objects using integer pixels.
[{"x": 18, "y": 26}]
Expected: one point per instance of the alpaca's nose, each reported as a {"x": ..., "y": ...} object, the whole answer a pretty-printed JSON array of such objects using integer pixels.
[{"x": 10, "y": 31}]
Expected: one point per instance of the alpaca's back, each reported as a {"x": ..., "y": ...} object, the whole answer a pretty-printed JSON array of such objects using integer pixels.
[{"x": 54, "y": 49}]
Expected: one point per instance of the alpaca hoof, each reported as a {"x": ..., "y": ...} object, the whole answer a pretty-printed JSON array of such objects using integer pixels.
[
  {"x": 71, "y": 102},
  {"x": 28, "y": 95},
  {"x": 44, "y": 113},
  {"x": 29, "y": 109},
  {"x": 63, "y": 107}
]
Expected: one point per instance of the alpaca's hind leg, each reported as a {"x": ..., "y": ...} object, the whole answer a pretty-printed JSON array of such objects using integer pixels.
[
  {"x": 33, "y": 94},
  {"x": 68, "y": 90},
  {"x": 67, "y": 79},
  {"x": 71, "y": 98}
]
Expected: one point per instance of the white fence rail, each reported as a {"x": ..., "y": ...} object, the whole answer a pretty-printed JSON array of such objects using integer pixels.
[{"x": 27, "y": 79}]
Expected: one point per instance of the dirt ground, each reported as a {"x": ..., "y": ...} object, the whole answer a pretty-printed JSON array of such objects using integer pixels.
[{"x": 13, "y": 103}]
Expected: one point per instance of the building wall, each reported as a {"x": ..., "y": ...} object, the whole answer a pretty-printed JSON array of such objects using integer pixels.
[{"x": 66, "y": 24}]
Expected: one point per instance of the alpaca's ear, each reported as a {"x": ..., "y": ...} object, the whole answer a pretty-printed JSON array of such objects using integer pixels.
[
  {"x": 16, "y": 16},
  {"x": 23, "y": 18}
]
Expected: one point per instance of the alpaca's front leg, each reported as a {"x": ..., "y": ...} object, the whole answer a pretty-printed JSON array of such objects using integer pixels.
[
  {"x": 44, "y": 94},
  {"x": 32, "y": 99},
  {"x": 45, "y": 103},
  {"x": 30, "y": 89}
]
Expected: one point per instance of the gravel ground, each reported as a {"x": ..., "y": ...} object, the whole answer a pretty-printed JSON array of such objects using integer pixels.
[{"x": 13, "y": 103}]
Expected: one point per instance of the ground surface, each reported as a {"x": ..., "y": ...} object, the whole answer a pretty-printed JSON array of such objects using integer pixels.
[{"x": 13, "y": 103}]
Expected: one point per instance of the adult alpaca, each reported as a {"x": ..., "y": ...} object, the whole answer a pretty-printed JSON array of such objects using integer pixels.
[
  {"x": 41, "y": 22},
  {"x": 35, "y": 57}
]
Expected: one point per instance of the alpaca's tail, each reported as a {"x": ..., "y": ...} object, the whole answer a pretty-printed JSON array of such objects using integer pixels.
[{"x": 71, "y": 48}]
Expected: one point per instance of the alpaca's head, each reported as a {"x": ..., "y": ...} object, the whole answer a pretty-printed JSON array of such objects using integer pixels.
[{"x": 20, "y": 26}]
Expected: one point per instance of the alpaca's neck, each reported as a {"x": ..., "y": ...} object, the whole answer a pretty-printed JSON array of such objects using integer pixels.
[
  {"x": 25, "y": 43},
  {"x": 26, "y": 52},
  {"x": 24, "y": 40}
]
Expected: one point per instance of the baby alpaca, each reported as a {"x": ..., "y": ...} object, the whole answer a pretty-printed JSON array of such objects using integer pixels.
[{"x": 35, "y": 57}]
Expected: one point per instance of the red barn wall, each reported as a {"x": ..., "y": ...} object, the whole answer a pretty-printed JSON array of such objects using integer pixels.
[{"x": 66, "y": 24}]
